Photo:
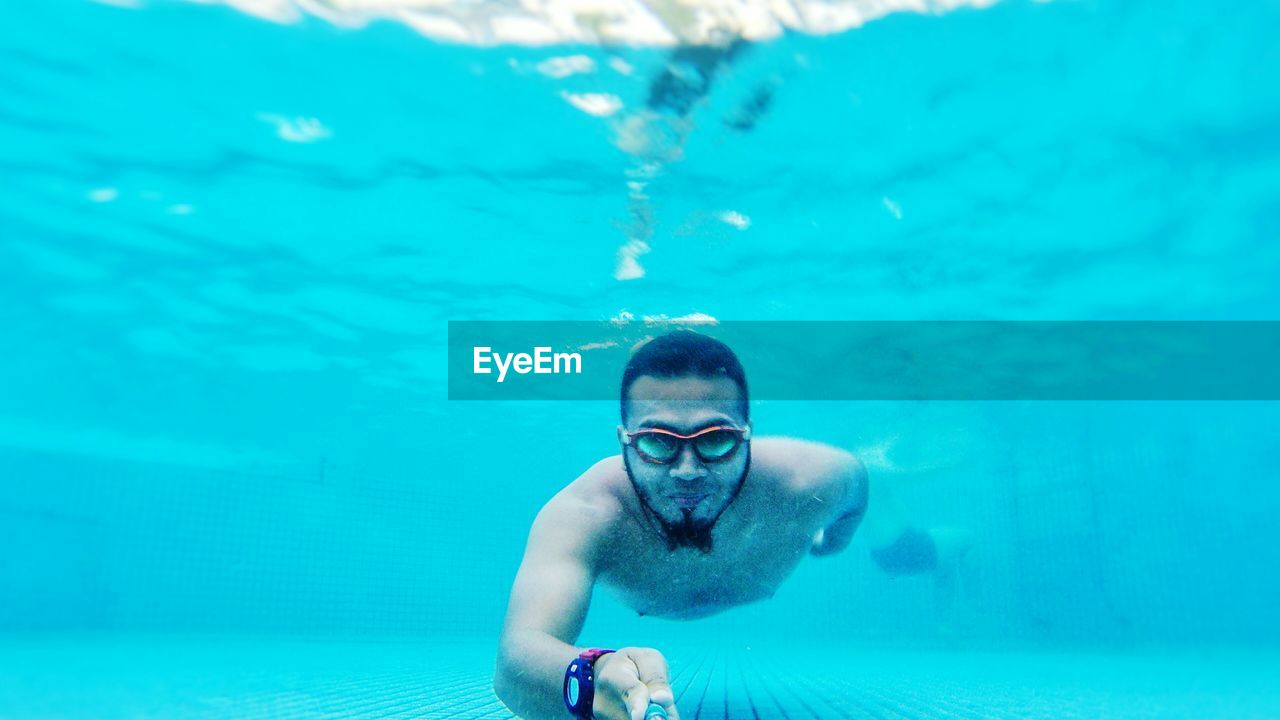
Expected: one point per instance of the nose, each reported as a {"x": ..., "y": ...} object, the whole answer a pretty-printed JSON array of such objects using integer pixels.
[{"x": 687, "y": 466}]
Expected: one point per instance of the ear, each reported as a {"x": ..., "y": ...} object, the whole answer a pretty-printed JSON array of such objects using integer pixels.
[
  {"x": 622, "y": 436},
  {"x": 746, "y": 432}
]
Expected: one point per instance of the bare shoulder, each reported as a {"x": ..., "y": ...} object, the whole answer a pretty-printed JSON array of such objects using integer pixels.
[
  {"x": 805, "y": 468},
  {"x": 588, "y": 508}
]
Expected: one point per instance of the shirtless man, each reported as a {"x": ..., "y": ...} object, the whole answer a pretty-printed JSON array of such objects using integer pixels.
[{"x": 695, "y": 516}]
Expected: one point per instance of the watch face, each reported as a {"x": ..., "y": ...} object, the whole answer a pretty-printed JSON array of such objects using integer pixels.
[{"x": 573, "y": 691}]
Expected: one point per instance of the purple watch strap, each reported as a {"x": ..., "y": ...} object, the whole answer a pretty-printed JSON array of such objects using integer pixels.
[{"x": 579, "y": 683}]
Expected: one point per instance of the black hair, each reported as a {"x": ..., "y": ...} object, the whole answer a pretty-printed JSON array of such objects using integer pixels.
[{"x": 681, "y": 353}]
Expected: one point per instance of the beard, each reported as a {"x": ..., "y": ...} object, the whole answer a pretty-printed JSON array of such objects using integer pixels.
[{"x": 688, "y": 531}]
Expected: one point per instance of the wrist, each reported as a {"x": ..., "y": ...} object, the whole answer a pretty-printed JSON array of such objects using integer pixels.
[{"x": 579, "y": 683}]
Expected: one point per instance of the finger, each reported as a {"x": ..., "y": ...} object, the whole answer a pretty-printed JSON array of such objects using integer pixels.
[
  {"x": 668, "y": 706},
  {"x": 652, "y": 667},
  {"x": 614, "y": 680},
  {"x": 637, "y": 699},
  {"x": 660, "y": 693},
  {"x": 653, "y": 671}
]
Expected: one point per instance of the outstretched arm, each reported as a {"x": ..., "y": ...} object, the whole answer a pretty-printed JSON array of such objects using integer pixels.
[{"x": 548, "y": 605}]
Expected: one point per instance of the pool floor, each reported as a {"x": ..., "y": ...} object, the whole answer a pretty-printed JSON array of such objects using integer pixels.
[{"x": 209, "y": 678}]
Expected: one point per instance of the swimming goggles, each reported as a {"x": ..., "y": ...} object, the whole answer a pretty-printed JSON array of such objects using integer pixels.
[{"x": 662, "y": 447}]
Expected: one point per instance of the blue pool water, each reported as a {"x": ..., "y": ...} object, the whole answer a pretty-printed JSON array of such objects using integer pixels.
[{"x": 232, "y": 483}]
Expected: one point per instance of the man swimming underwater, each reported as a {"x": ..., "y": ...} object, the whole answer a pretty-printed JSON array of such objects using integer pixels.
[{"x": 694, "y": 517}]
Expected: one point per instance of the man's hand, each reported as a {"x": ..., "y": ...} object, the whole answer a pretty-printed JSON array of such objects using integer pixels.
[
  {"x": 628, "y": 680},
  {"x": 836, "y": 536}
]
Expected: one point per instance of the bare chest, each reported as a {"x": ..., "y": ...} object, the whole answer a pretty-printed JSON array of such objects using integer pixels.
[{"x": 744, "y": 566}]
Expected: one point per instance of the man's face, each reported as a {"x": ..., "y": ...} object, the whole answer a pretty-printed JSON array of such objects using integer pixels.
[{"x": 688, "y": 495}]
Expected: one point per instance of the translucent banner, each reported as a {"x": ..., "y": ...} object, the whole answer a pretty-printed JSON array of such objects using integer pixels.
[{"x": 988, "y": 360}]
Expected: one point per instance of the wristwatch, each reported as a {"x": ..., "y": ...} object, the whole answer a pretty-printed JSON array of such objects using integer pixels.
[{"x": 580, "y": 683}]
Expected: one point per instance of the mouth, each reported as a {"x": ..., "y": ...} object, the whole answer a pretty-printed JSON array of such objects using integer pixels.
[{"x": 687, "y": 500}]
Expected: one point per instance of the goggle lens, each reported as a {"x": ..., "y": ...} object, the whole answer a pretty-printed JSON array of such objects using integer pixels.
[
  {"x": 716, "y": 445},
  {"x": 662, "y": 448}
]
